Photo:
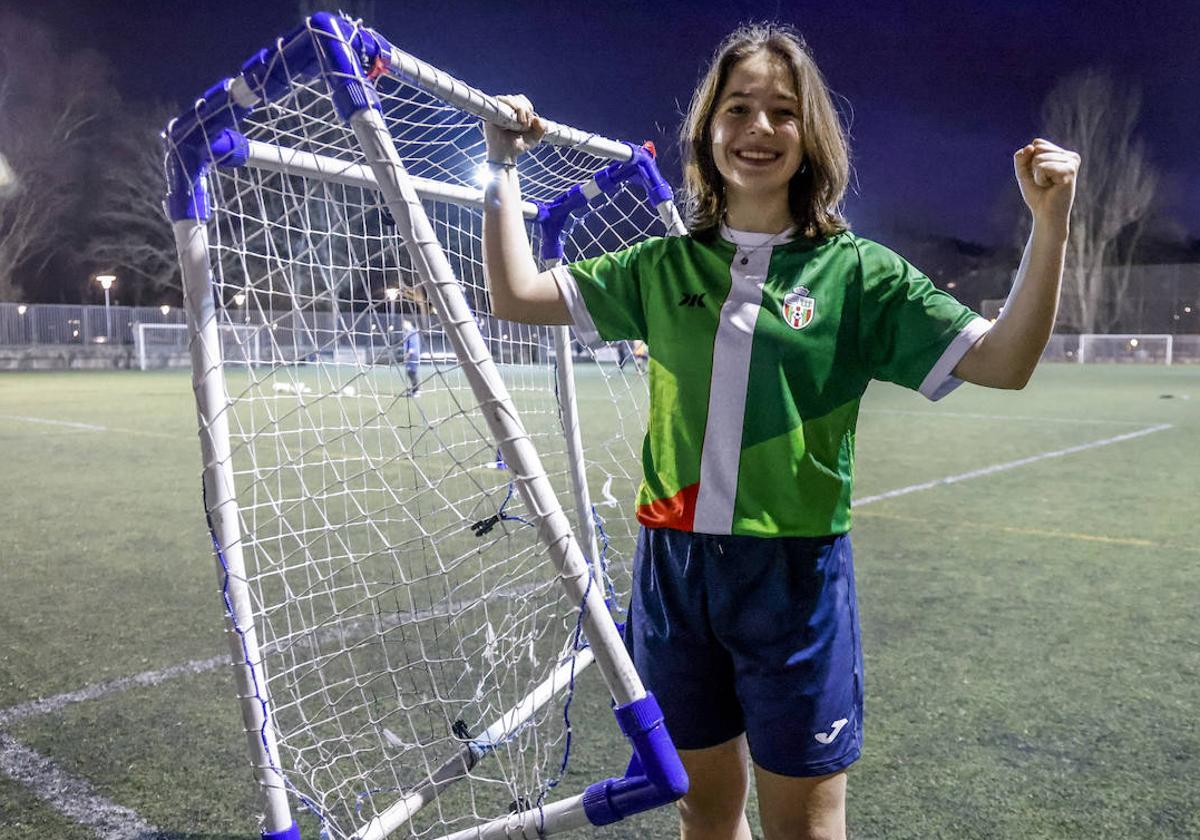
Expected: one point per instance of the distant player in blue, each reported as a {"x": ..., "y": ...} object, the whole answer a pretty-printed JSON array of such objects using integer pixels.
[{"x": 412, "y": 356}]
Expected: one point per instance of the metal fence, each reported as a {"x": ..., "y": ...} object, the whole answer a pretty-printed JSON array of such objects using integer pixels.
[
  {"x": 33, "y": 324},
  {"x": 26, "y": 324},
  {"x": 261, "y": 337}
]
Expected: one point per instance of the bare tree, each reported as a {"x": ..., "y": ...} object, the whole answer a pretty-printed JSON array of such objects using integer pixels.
[
  {"x": 50, "y": 100},
  {"x": 1089, "y": 113},
  {"x": 128, "y": 231}
]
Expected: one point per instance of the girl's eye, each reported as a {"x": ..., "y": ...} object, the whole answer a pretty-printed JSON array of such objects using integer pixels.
[
  {"x": 736, "y": 109},
  {"x": 786, "y": 112}
]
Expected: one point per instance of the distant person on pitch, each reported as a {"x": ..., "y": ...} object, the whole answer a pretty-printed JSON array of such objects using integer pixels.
[
  {"x": 767, "y": 320},
  {"x": 412, "y": 355}
]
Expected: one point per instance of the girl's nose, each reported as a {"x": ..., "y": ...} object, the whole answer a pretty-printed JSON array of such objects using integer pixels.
[{"x": 761, "y": 122}]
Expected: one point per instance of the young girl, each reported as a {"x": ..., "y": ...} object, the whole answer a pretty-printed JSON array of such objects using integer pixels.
[{"x": 767, "y": 322}]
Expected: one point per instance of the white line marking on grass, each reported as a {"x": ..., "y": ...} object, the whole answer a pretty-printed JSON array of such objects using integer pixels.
[
  {"x": 347, "y": 631},
  {"x": 1019, "y": 417},
  {"x": 995, "y": 468},
  {"x": 70, "y": 795},
  {"x": 91, "y": 692},
  {"x": 88, "y": 426},
  {"x": 144, "y": 433}
]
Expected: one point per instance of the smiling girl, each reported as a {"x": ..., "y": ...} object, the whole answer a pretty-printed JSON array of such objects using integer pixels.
[{"x": 766, "y": 323}]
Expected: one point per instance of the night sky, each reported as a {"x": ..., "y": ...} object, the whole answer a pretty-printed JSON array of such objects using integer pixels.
[{"x": 937, "y": 99}]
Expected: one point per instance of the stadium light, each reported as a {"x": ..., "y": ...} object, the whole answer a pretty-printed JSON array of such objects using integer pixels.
[
  {"x": 106, "y": 282},
  {"x": 391, "y": 293},
  {"x": 165, "y": 309},
  {"x": 22, "y": 309},
  {"x": 1188, "y": 310}
]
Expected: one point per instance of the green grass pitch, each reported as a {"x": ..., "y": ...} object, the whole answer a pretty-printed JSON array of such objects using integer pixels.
[{"x": 1033, "y": 664}]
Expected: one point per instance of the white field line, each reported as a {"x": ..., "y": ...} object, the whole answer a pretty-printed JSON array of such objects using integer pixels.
[
  {"x": 1021, "y": 462},
  {"x": 70, "y": 795},
  {"x": 934, "y": 413},
  {"x": 44, "y": 421},
  {"x": 46, "y": 705},
  {"x": 349, "y": 630},
  {"x": 86, "y": 427}
]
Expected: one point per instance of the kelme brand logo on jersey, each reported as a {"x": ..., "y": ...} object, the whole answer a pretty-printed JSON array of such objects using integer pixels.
[
  {"x": 798, "y": 308},
  {"x": 692, "y": 300}
]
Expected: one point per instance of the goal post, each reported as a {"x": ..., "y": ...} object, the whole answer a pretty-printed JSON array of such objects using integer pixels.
[{"x": 406, "y": 620}]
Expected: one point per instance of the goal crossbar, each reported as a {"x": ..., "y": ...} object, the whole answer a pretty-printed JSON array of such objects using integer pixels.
[{"x": 336, "y": 171}]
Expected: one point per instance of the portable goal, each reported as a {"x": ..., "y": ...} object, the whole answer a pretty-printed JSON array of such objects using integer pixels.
[
  {"x": 166, "y": 345},
  {"x": 408, "y": 605},
  {"x": 1126, "y": 348}
]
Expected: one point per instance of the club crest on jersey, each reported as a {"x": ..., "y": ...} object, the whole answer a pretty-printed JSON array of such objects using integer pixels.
[{"x": 798, "y": 308}]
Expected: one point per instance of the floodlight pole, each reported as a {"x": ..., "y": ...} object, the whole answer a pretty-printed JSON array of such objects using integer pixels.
[
  {"x": 391, "y": 293},
  {"x": 106, "y": 282}
]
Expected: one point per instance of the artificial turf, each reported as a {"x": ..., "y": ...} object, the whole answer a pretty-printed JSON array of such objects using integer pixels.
[{"x": 1032, "y": 663}]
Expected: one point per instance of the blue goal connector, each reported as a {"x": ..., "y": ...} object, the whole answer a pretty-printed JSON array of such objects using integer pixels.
[
  {"x": 292, "y": 832},
  {"x": 347, "y": 56},
  {"x": 655, "y": 775},
  {"x": 554, "y": 216}
]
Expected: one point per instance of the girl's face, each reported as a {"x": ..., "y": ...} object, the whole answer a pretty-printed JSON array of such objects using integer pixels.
[{"x": 756, "y": 141}]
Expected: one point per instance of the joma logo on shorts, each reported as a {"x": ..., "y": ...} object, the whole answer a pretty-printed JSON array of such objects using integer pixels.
[
  {"x": 827, "y": 737},
  {"x": 692, "y": 300}
]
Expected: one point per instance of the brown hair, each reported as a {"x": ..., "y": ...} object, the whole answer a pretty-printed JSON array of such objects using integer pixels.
[{"x": 816, "y": 190}]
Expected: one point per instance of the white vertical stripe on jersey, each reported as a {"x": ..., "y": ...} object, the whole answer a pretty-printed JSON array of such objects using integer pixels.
[{"x": 721, "y": 456}]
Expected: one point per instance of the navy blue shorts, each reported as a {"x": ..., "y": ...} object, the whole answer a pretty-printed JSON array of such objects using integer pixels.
[{"x": 740, "y": 634}]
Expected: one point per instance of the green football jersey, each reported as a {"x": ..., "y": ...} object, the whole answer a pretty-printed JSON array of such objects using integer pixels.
[{"x": 760, "y": 351}]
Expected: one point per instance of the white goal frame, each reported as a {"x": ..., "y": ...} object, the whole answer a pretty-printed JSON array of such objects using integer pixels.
[
  {"x": 1087, "y": 340},
  {"x": 348, "y": 57},
  {"x": 247, "y": 336}
]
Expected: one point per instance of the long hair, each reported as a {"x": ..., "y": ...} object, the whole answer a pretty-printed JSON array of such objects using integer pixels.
[{"x": 816, "y": 190}]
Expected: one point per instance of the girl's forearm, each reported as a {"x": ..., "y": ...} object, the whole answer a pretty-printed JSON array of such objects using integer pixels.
[
  {"x": 1021, "y": 332},
  {"x": 1008, "y": 353},
  {"x": 507, "y": 258}
]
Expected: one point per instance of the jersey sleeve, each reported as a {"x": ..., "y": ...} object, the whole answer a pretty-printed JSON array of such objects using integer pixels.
[
  {"x": 911, "y": 332},
  {"x": 604, "y": 294}
]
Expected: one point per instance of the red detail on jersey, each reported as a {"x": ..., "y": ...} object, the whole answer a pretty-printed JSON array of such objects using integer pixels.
[
  {"x": 678, "y": 512},
  {"x": 649, "y": 147}
]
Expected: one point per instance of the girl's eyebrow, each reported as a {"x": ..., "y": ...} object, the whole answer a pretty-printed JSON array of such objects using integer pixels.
[{"x": 744, "y": 94}]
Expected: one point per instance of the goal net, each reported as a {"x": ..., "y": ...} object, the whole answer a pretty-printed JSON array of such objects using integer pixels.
[
  {"x": 1126, "y": 348},
  {"x": 166, "y": 345},
  {"x": 407, "y": 606}
]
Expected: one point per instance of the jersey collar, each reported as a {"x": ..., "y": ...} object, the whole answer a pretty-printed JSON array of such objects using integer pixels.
[{"x": 750, "y": 239}]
